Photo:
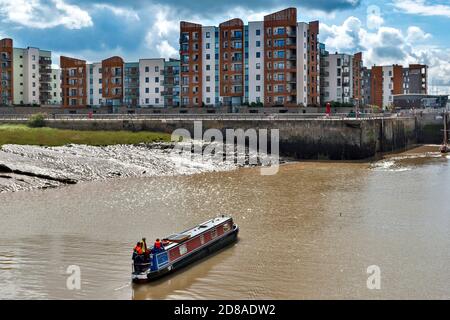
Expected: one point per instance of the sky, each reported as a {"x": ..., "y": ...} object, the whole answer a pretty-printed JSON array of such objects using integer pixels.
[{"x": 386, "y": 31}]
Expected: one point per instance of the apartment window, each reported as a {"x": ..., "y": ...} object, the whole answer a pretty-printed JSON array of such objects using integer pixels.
[
  {"x": 147, "y": 79},
  {"x": 33, "y": 66},
  {"x": 258, "y": 66},
  {"x": 147, "y": 69},
  {"x": 208, "y": 100},
  {"x": 258, "y": 54},
  {"x": 156, "y": 68},
  {"x": 258, "y": 32},
  {"x": 258, "y": 77},
  {"x": 157, "y": 101},
  {"x": 208, "y": 35},
  {"x": 208, "y": 89},
  {"x": 208, "y": 78},
  {"x": 34, "y": 93},
  {"x": 258, "y": 88},
  {"x": 208, "y": 67},
  {"x": 33, "y": 57},
  {"x": 147, "y": 100},
  {"x": 100, "y": 81},
  {"x": 208, "y": 56},
  {"x": 156, "y": 79},
  {"x": 147, "y": 90},
  {"x": 258, "y": 44},
  {"x": 34, "y": 84},
  {"x": 208, "y": 45},
  {"x": 156, "y": 90}
]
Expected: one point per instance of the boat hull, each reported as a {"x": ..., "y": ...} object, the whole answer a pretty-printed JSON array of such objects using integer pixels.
[{"x": 207, "y": 250}]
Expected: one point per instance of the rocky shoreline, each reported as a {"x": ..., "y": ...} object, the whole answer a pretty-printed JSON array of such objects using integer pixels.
[{"x": 35, "y": 167}]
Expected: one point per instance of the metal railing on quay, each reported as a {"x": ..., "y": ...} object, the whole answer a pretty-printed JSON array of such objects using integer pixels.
[{"x": 206, "y": 117}]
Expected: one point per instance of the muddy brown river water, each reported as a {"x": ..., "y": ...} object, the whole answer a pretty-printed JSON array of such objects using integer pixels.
[{"x": 308, "y": 232}]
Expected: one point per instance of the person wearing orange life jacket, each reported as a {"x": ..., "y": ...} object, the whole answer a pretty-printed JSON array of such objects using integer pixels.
[
  {"x": 138, "y": 249},
  {"x": 158, "y": 247}
]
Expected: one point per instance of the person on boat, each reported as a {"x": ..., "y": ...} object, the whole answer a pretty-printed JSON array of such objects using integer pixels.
[
  {"x": 137, "y": 251},
  {"x": 158, "y": 246}
]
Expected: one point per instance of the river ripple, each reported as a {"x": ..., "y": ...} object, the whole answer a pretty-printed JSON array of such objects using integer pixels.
[{"x": 310, "y": 231}]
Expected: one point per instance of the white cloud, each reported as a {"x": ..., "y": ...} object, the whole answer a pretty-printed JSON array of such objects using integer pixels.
[
  {"x": 37, "y": 14},
  {"x": 342, "y": 37},
  {"x": 387, "y": 46},
  {"x": 415, "y": 34},
  {"x": 119, "y": 11},
  {"x": 374, "y": 21},
  {"x": 165, "y": 27},
  {"x": 422, "y": 7},
  {"x": 166, "y": 50}
]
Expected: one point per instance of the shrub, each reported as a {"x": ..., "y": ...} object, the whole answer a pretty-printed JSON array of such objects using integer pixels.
[{"x": 37, "y": 120}]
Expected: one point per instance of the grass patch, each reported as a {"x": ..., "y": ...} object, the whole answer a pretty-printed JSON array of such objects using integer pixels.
[{"x": 24, "y": 135}]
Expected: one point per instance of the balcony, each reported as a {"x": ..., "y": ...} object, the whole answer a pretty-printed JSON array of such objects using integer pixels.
[
  {"x": 45, "y": 61},
  {"x": 45, "y": 70},
  {"x": 5, "y": 58},
  {"x": 291, "y": 34},
  {"x": 6, "y": 64},
  {"x": 184, "y": 39},
  {"x": 45, "y": 87},
  {"x": 45, "y": 78},
  {"x": 169, "y": 73}
]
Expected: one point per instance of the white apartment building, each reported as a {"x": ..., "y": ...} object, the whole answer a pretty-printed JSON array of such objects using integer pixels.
[
  {"x": 94, "y": 84},
  {"x": 256, "y": 62},
  {"x": 32, "y": 76},
  {"x": 337, "y": 79},
  {"x": 302, "y": 63},
  {"x": 209, "y": 66},
  {"x": 55, "y": 87},
  {"x": 151, "y": 82},
  {"x": 388, "y": 85},
  {"x": 274, "y": 62}
]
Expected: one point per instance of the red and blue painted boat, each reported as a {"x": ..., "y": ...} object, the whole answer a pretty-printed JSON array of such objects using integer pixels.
[{"x": 183, "y": 248}]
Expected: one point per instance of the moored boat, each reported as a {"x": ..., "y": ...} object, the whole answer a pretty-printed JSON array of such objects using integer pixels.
[
  {"x": 181, "y": 249},
  {"x": 444, "y": 147}
]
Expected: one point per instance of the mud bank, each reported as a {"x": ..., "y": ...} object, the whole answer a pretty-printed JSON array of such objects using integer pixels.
[{"x": 34, "y": 167}]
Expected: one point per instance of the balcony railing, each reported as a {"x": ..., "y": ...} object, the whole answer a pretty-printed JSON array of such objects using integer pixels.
[
  {"x": 45, "y": 87},
  {"x": 184, "y": 39},
  {"x": 5, "y": 58},
  {"x": 45, "y": 70},
  {"x": 45, "y": 61}
]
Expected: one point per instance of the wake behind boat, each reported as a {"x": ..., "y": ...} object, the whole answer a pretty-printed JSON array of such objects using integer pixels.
[{"x": 181, "y": 249}]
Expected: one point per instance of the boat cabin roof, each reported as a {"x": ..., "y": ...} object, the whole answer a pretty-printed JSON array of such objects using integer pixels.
[{"x": 181, "y": 237}]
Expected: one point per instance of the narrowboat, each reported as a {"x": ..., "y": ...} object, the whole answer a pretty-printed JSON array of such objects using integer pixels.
[{"x": 181, "y": 249}]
